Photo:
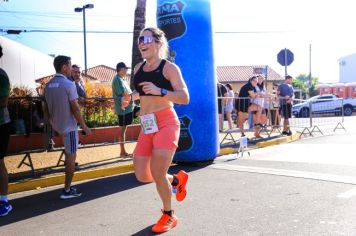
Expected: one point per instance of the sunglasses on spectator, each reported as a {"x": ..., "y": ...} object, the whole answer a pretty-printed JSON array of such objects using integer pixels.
[{"x": 146, "y": 40}]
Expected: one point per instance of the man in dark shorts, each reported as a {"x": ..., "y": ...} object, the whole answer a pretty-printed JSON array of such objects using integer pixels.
[
  {"x": 5, "y": 206},
  {"x": 222, "y": 92},
  {"x": 243, "y": 104},
  {"x": 286, "y": 96},
  {"x": 125, "y": 114}
]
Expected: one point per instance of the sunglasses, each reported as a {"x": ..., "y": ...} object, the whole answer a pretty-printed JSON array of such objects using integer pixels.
[{"x": 146, "y": 40}]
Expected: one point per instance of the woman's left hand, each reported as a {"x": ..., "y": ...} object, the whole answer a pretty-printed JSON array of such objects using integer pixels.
[{"x": 150, "y": 88}]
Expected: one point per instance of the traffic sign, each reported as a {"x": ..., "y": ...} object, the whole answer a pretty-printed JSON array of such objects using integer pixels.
[{"x": 285, "y": 57}]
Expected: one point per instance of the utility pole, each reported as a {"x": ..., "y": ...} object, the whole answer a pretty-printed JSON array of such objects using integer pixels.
[{"x": 310, "y": 77}]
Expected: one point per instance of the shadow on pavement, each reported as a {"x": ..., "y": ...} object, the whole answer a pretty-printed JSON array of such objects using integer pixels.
[
  {"x": 45, "y": 202},
  {"x": 41, "y": 203},
  {"x": 145, "y": 232}
]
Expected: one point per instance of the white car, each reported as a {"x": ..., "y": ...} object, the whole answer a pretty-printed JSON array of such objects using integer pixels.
[{"x": 323, "y": 104}]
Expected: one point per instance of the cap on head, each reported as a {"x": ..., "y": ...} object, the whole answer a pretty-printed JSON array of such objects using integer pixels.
[{"x": 121, "y": 65}]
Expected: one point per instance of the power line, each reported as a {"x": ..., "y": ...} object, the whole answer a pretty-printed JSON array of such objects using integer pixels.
[
  {"x": 59, "y": 14},
  {"x": 250, "y": 32},
  {"x": 18, "y": 31}
]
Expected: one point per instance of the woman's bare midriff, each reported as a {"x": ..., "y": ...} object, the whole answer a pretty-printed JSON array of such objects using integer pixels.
[{"x": 150, "y": 104}]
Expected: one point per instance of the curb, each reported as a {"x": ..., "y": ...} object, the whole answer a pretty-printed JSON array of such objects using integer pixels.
[
  {"x": 44, "y": 182},
  {"x": 277, "y": 141},
  {"x": 286, "y": 139},
  {"x": 25, "y": 185}
]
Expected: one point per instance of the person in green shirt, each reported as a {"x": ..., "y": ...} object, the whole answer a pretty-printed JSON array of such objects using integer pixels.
[
  {"x": 5, "y": 206},
  {"x": 125, "y": 114}
]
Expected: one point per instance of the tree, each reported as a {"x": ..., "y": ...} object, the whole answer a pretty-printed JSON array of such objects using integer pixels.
[
  {"x": 139, "y": 24},
  {"x": 302, "y": 82}
]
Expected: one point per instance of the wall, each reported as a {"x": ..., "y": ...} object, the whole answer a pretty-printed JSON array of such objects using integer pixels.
[
  {"x": 347, "y": 66},
  {"x": 23, "y": 64}
]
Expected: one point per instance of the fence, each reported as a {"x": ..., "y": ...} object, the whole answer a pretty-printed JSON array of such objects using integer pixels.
[
  {"x": 30, "y": 132},
  {"x": 265, "y": 115}
]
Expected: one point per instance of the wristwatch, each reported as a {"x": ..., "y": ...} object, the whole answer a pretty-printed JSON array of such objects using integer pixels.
[{"x": 163, "y": 92}]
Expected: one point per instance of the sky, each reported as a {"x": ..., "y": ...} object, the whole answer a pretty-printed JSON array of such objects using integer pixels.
[{"x": 246, "y": 32}]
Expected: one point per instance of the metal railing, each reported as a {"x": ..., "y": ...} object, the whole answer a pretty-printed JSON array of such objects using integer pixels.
[
  {"x": 31, "y": 133},
  {"x": 307, "y": 116}
]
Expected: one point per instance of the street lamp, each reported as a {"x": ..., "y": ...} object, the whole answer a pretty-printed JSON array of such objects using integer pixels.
[{"x": 82, "y": 9}]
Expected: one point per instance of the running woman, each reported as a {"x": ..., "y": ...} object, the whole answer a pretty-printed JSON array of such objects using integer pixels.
[{"x": 158, "y": 84}]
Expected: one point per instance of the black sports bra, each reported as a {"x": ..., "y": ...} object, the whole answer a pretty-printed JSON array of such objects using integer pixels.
[{"x": 155, "y": 76}]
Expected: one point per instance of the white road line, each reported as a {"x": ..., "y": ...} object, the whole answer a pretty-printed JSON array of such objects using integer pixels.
[
  {"x": 289, "y": 173},
  {"x": 348, "y": 194}
]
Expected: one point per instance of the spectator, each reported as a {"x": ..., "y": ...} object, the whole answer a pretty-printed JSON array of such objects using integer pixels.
[
  {"x": 260, "y": 119},
  {"x": 274, "y": 107},
  {"x": 79, "y": 84},
  {"x": 5, "y": 206},
  {"x": 286, "y": 96},
  {"x": 63, "y": 112},
  {"x": 229, "y": 105},
  {"x": 243, "y": 103},
  {"x": 125, "y": 115},
  {"x": 222, "y": 92}
]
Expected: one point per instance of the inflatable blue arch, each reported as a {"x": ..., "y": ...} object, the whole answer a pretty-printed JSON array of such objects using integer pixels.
[{"x": 188, "y": 27}]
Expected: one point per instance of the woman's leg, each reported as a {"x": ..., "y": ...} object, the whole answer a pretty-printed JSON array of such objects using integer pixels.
[
  {"x": 142, "y": 169},
  {"x": 160, "y": 162},
  {"x": 241, "y": 121},
  {"x": 258, "y": 109},
  {"x": 229, "y": 119}
]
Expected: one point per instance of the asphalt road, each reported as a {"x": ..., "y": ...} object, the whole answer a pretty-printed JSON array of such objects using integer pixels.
[{"x": 306, "y": 187}]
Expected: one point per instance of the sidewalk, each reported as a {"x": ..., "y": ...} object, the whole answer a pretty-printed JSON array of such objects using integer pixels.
[{"x": 100, "y": 161}]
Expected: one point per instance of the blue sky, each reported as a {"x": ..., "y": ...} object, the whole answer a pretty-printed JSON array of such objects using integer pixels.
[{"x": 263, "y": 29}]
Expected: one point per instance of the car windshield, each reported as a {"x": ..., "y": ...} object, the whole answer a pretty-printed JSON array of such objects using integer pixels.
[{"x": 313, "y": 98}]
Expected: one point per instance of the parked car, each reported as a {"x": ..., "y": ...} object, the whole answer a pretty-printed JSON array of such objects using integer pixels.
[{"x": 325, "y": 104}]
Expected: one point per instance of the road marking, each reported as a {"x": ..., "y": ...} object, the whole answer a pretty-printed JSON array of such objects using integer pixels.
[
  {"x": 348, "y": 194},
  {"x": 289, "y": 173}
]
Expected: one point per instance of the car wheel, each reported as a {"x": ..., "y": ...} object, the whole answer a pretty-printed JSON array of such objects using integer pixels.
[
  {"x": 304, "y": 112},
  {"x": 347, "y": 111}
]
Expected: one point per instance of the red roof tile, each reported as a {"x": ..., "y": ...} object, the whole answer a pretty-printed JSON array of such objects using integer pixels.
[
  {"x": 101, "y": 73},
  {"x": 243, "y": 73},
  {"x": 225, "y": 74}
]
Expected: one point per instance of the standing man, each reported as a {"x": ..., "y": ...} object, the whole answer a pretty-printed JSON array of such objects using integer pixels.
[
  {"x": 125, "y": 115},
  {"x": 64, "y": 113},
  {"x": 79, "y": 84},
  {"x": 286, "y": 96},
  {"x": 5, "y": 206}
]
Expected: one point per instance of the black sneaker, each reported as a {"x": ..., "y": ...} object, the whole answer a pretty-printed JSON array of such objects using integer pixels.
[
  {"x": 289, "y": 133},
  {"x": 285, "y": 133},
  {"x": 72, "y": 193}
]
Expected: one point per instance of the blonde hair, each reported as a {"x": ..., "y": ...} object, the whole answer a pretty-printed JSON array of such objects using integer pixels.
[{"x": 160, "y": 37}]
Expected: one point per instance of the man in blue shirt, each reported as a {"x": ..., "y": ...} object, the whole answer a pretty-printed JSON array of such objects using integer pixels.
[{"x": 286, "y": 96}]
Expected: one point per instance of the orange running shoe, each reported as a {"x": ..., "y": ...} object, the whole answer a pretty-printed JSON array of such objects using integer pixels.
[
  {"x": 181, "y": 192},
  {"x": 165, "y": 223}
]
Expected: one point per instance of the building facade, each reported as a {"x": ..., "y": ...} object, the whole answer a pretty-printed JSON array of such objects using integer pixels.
[{"x": 347, "y": 69}]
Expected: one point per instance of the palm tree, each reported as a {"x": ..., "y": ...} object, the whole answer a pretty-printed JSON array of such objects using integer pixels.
[{"x": 139, "y": 24}]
